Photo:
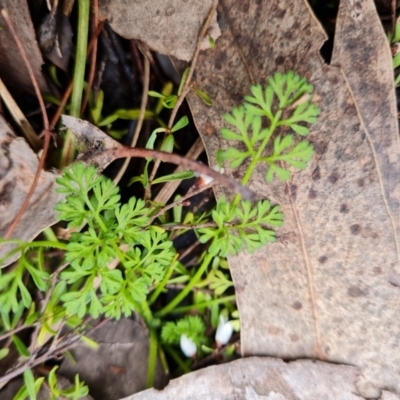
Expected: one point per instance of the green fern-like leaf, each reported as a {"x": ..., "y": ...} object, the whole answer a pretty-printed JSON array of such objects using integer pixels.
[
  {"x": 298, "y": 156},
  {"x": 118, "y": 292},
  {"x": 192, "y": 326},
  {"x": 219, "y": 282},
  {"x": 78, "y": 179},
  {"x": 286, "y": 101},
  {"x": 241, "y": 225}
]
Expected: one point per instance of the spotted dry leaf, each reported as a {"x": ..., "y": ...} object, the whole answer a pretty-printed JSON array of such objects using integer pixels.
[
  {"x": 328, "y": 288},
  {"x": 169, "y": 27},
  {"x": 18, "y": 164}
]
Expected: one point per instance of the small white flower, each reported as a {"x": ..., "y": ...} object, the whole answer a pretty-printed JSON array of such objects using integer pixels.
[
  {"x": 224, "y": 331},
  {"x": 188, "y": 347}
]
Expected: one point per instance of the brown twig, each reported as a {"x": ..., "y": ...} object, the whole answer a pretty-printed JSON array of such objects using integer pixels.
[
  {"x": 62, "y": 347},
  {"x": 217, "y": 355},
  {"x": 60, "y": 108},
  {"x": 136, "y": 54},
  {"x": 68, "y": 92},
  {"x": 190, "y": 227},
  {"x": 24, "y": 56},
  {"x": 188, "y": 250},
  {"x": 120, "y": 152},
  {"x": 14, "y": 331},
  {"x": 143, "y": 104},
  {"x": 170, "y": 187},
  {"x": 46, "y": 132},
  {"x": 19, "y": 118}
]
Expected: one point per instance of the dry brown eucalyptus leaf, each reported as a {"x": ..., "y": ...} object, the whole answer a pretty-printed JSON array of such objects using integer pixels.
[
  {"x": 169, "y": 27},
  {"x": 12, "y": 68},
  {"x": 118, "y": 367},
  {"x": 327, "y": 288},
  {"x": 18, "y": 164},
  {"x": 263, "y": 378},
  {"x": 370, "y": 80}
]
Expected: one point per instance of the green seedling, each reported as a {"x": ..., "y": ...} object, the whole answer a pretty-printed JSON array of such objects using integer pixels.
[{"x": 124, "y": 259}]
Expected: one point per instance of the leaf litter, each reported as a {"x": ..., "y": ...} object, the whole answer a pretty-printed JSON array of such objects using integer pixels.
[
  {"x": 323, "y": 290},
  {"x": 327, "y": 288},
  {"x": 168, "y": 27}
]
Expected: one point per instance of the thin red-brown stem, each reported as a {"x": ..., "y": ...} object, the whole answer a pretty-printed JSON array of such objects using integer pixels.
[
  {"x": 190, "y": 227},
  {"x": 93, "y": 54},
  {"x": 24, "y": 56},
  {"x": 138, "y": 60},
  {"x": 68, "y": 92},
  {"x": 139, "y": 124},
  {"x": 60, "y": 108},
  {"x": 14, "y": 331},
  {"x": 47, "y": 126},
  {"x": 46, "y": 132},
  {"x": 188, "y": 250},
  {"x": 121, "y": 152},
  {"x": 186, "y": 86}
]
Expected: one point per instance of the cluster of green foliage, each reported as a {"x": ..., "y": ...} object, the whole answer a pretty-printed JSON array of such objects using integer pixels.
[
  {"x": 31, "y": 387},
  {"x": 394, "y": 41},
  {"x": 114, "y": 231},
  {"x": 119, "y": 259}
]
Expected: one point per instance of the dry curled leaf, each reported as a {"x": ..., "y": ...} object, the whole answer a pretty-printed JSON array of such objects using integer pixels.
[
  {"x": 118, "y": 367},
  {"x": 328, "y": 288},
  {"x": 18, "y": 164},
  {"x": 264, "y": 378},
  {"x": 12, "y": 68},
  {"x": 169, "y": 27}
]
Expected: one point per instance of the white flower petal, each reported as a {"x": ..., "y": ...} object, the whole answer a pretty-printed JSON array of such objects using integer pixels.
[
  {"x": 224, "y": 331},
  {"x": 188, "y": 347}
]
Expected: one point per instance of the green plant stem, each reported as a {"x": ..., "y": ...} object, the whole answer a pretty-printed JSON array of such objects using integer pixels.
[
  {"x": 79, "y": 76},
  {"x": 260, "y": 150},
  {"x": 196, "y": 277},
  {"x": 163, "y": 360},
  {"x": 119, "y": 252},
  {"x": 185, "y": 368},
  {"x": 152, "y": 358},
  {"x": 162, "y": 284},
  {"x": 204, "y": 304},
  {"x": 50, "y": 235},
  {"x": 179, "y": 280},
  {"x": 39, "y": 243},
  {"x": 257, "y": 156},
  {"x": 31, "y": 245},
  {"x": 95, "y": 214},
  {"x": 148, "y": 317},
  {"x": 147, "y": 314}
]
